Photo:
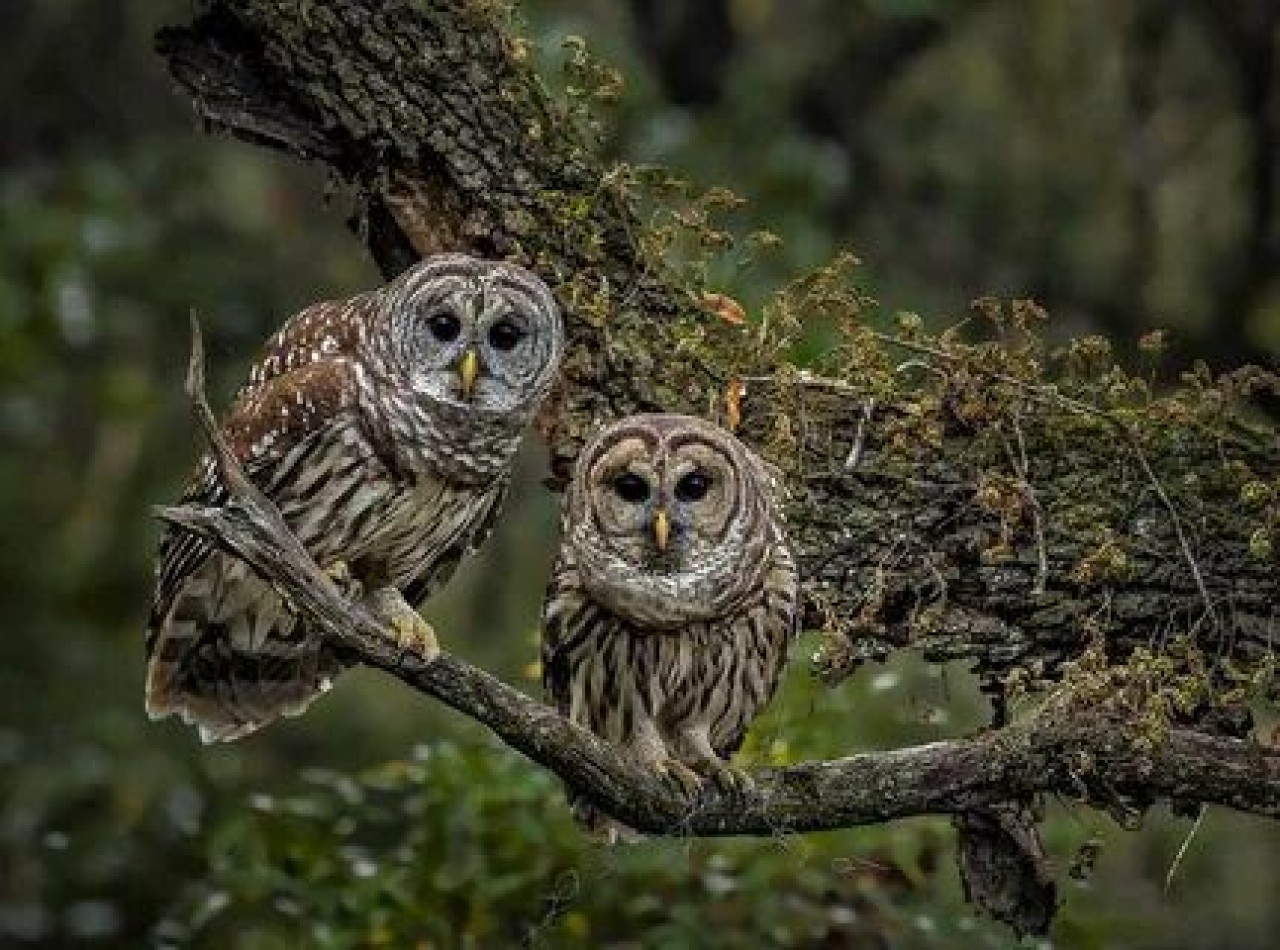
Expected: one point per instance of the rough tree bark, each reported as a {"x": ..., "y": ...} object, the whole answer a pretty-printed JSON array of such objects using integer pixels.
[{"x": 950, "y": 499}]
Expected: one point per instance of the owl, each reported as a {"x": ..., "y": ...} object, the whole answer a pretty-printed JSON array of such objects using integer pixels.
[
  {"x": 673, "y": 601},
  {"x": 384, "y": 428}
]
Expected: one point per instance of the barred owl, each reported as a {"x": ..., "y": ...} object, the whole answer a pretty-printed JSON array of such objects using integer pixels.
[
  {"x": 384, "y": 428},
  {"x": 673, "y": 601}
]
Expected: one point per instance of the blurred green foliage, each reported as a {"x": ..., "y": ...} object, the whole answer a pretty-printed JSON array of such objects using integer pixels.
[
  {"x": 471, "y": 847},
  {"x": 961, "y": 148}
]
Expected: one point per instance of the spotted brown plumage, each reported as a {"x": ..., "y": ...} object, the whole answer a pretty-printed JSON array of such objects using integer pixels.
[
  {"x": 384, "y": 428},
  {"x": 673, "y": 601}
]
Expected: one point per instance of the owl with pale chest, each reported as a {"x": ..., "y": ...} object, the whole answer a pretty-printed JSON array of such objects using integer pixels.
[
  {"x": 673, "y": 601},
  {"x": 384, "y": 428}
]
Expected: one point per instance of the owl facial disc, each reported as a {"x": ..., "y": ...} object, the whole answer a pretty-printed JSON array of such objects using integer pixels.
[
  {"x": 476, "y": 335},
  {"x": 669, "y": 504}
]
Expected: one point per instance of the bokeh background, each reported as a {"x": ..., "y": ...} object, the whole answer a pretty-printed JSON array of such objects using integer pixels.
[{"x": 1119, "y": 162}]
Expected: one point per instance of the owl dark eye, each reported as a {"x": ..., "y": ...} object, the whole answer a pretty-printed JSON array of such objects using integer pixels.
[
  {"x": 630, "y": 487},
  {"x": 505, "y": 334},
  {"x": 693, "y": 486},
  {"x": 444, "y": 326}
]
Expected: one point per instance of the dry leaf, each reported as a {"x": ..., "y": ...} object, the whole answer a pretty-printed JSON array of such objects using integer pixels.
[
  {"x": 724, "y": 307},
  {"x": 733, "y": 404}
]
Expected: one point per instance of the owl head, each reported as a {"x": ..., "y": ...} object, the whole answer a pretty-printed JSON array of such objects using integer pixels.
[
  {"x": 480, "y": 337},
  {"x": 670, "y": 520}
]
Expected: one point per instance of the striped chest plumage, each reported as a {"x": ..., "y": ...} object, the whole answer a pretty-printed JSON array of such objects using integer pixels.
[
  {"x": 714, "y": 675},
  {"x": 612, "y": 676},
  {"x": 346, "y": 504}
]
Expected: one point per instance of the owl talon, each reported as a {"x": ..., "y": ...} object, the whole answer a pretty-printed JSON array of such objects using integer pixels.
[
  {"x": 729, "y": 779},
  {"x": 411, "y": 633},
  {"x": 684, "y": 779},
  {"x": 340, "y": 573}
]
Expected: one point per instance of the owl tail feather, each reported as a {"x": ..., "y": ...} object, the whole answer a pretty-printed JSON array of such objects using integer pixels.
[
  {"x": 227, "y": 695},
  {"x": 232, "y": 663}
]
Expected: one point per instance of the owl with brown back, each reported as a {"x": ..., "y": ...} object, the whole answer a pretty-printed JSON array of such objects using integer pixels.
[
  {"x": 673, "y": 601},
  {"x": 384, "y": 428}
]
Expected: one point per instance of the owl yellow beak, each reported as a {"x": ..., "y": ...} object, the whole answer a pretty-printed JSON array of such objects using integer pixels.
[
  {"x": 661, "y": 529},
  {"x": 468, "y": 371}
]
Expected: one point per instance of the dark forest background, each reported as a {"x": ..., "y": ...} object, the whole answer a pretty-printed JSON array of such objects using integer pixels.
[{"x": 1118, "y": 162}]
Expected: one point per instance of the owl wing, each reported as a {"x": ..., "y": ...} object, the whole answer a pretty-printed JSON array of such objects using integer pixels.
[
  {"x": 304, "y": 376},
  {"x": 468, "y": 540},
  {"x": 324, "y": 331},
  {"x": 223, "y": 651},
  {"x": 564, "y": 602},
  {"x": 271, "y": 430},
  {"x": 569, "y": 617},
  {"x": 766, "y": 629}
]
